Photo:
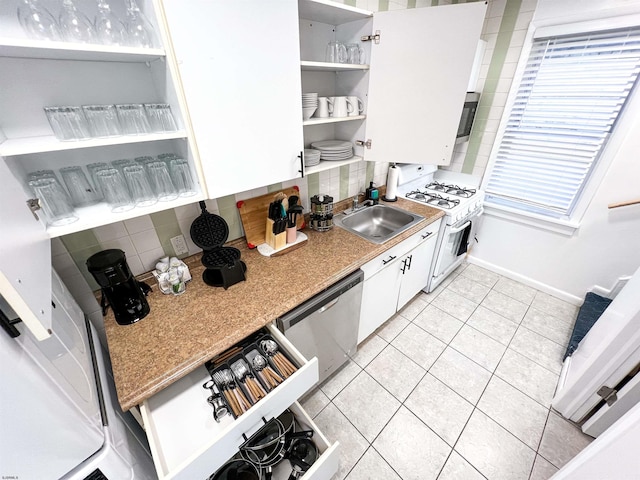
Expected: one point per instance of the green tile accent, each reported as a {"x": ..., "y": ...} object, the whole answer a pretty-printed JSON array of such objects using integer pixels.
[
  {"x": 411, "y": 4},
  {"x": 228, "y": 202},
  {"x": 276, "y": 187},
  {"x": 351, "y": 3},
  {"x": 80, "y": 259},
  {"x": 232, "y": 217},
  {"x": 79, "y": 240},
  {"x": 434, "y": 3},
  {"x": 166, "y": 226},
  {"x": 313, "y": 184},
  {"x": 369, "y": 175},
  {"x": 507, "y": 25},
  {"x": 383, "y": 5},
  {"x": 165, "y": 217},
  {"x": 344, "y": 181}
]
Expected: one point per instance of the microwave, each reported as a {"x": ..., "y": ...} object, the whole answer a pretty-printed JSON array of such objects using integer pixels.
[{"x": 468, "y": 114}]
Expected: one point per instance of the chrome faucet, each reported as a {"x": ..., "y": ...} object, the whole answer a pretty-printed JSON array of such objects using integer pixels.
[{"x": 356, "y": 205}]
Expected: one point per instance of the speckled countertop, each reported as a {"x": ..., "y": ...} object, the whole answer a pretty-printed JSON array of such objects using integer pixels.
[{"x": 183, "y": 332}]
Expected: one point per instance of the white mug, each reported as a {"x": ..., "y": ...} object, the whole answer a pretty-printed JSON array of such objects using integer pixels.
[
  {"x": 356, "y": 104},
  {"x": 323, "y": 108},
  {"x": 338, "y": 107}
]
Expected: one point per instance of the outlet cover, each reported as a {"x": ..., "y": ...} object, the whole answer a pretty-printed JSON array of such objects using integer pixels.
[{"x": 179, "y": 245}]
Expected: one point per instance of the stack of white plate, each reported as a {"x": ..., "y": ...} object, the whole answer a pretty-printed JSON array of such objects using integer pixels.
[
  {"x": 309, "y": 105},
  {"x": 334, "y": 149},
  {"x": 311, "y": 157}
]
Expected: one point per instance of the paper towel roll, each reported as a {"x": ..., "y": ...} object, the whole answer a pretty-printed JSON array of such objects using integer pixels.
[{"x": 392, "y": 184}]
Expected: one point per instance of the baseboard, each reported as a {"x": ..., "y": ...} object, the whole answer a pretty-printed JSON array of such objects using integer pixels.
[
  {"x": 543, "y": 287},
  {"x": 614, "y": 290}
]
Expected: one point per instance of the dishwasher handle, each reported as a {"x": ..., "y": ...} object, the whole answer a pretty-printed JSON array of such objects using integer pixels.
[{"x": 328, "y": 305}]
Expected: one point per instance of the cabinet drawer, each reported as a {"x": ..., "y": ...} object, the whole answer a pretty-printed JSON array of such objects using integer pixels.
[{"x": 185, "y": 440}]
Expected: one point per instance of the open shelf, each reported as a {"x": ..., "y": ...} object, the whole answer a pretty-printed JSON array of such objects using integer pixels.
[
  {"x": 322, "y": 121},
  {"x": 49, "y": 143},
  {"x": 331, "y": 67},
  {"x": 332, "y": 13},
  {"x": 27, "y": 48},
  {"x": 328, "y": 165}
]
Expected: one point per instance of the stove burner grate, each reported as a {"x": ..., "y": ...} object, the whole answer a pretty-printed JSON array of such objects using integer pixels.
[
  {"x": 451, "y": 189},
  {"x": 433, "y": 199}
]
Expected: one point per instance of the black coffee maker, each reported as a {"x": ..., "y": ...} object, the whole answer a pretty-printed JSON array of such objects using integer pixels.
[{"x": 125, "y": 294}]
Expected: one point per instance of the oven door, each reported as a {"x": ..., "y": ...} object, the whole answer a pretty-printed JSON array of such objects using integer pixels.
[{"x": 452, "y": 249}]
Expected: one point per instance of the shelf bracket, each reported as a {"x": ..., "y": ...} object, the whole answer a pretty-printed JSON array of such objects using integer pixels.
[
  {"x": 608, "y": 394},
  {"x": 375, "y": 38},
  {"x": 34, "y": 206},
  {"x": 362, "y": 143}
]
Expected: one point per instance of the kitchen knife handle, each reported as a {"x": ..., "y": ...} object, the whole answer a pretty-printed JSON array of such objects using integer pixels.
[{"x": 301, "y": 157}]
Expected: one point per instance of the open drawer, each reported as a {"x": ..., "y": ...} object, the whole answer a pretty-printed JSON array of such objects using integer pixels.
[{"x": 187, "y": 443}]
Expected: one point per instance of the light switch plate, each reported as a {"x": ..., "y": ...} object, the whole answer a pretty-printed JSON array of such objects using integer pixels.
[{"x": 179, "y": 245}]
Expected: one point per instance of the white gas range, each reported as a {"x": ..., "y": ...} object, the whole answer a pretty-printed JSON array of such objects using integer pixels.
[{"x": 459, "y": 196}]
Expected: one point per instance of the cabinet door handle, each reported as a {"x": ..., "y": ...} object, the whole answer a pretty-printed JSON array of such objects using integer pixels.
[
  {"x": 301, "y": 171},
  {"x": 409, "y": 264},
  {"x": 391, "y": 257},
  {"x": 426, "y": 235},
  {"x": 404, "y": 265}
]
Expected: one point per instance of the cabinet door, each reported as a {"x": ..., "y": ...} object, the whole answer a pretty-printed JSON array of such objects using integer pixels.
[
  {"x": 417, "y": 265},
  {"x": 379, "y": 299},
  {"x": 419, "y": 76},
  {"x": 239, "y": 65},
  {"x": 25, "y": 258}
]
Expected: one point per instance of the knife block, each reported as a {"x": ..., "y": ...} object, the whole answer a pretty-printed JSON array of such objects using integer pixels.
[{"x": 274, "y": 241}]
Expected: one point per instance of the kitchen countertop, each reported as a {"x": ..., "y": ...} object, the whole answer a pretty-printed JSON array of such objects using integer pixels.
[{"x": 182, "y": 332}]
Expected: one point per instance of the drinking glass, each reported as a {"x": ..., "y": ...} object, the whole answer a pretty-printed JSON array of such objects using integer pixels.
[
  {"x": 92, "y": 168},
  {"x": 161, "y": 181},
  {"x": 167, "y": 157},
  {"x": 67, "y": 123},
  {"x": 133, "y": 119},
  {"x": 181, "y": 177},
  {"x": 75, "y": 25},
  {"x": 144, "y": 160},
  {"x": 80, "y": 190},
  {"x": 38, "y": 22},
  {"x": 53, "y": 201},
  {"x": 336, "y": 53},
  {"x": 103, "y": 120},
  {"x": 114, "y": 190},
  {"x": 355, "y": 54},
  {"x": 138, "y": 183},
  {"x": 160, "y": 117},
  {"x": 109, "y": 29},
  {"x": 139, "y": 28},
  {"x": 50, "y": 174}
]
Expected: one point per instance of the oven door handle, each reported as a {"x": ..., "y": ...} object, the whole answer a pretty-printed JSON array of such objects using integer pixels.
[{"x": 459, "y": 229}]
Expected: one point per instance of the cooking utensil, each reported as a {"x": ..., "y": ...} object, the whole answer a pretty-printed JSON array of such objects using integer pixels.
[
  {"x": 270, "y": 347},
  {"x": 267, "y": 374},
  {"x": 236, "y": 469},
  {"x": 243, "y": 374},
  {"x": 216, "y": 401},
  {"x": 302, "y": 454}
]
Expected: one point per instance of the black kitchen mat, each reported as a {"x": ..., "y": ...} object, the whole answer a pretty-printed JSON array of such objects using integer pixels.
[{"x": 590, "y": 311}]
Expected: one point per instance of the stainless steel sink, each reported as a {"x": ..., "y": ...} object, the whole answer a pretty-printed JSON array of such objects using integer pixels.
[{"x": 377, "y": 223}]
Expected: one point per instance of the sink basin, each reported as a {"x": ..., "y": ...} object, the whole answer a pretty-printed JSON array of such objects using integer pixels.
[{"x": 377, "y": 223}]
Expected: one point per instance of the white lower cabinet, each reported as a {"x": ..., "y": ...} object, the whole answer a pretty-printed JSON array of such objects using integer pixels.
[
  {"x": 187, "y": 443},
  {"x": 393, "y": 278}
]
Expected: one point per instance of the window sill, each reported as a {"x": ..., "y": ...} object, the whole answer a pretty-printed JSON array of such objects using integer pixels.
[{"x": 563, "y": 227}]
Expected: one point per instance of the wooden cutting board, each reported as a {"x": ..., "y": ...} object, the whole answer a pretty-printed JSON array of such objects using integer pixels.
[{"x": 254, "y": 211}]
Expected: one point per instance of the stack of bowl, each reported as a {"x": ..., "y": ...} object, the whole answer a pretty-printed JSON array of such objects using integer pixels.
[{"x": 309, "y": 104}]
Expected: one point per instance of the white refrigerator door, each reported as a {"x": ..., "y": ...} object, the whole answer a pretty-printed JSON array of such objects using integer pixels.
[
  {"x": 604, "y": 357},
  {"x": 49, "y": 409}
]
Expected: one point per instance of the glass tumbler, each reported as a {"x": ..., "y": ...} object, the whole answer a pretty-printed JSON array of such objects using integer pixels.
[
  {"x": 161, "y": 181},
  {"x": 336, "y": 53},
  {"x": 181, "y": 176},
  {"x": 139, "y": 186},
  {"x": 160, "y": 117},
  {"x": 355, "y": 54},
  {"x": 133, "y": 119},
  {"x": 139, "y": 29},
  {"x": 92, "y": 168},
  {"x": 167, "y": 157},
  {"x": 50, "y": 174},
  {"x": 109, "y": 29},
  {"x": 37, "y": 21},
  {"x": 53, "y": 201},
  {"x": 115, "y": 190},
  {"x": 120, "y": 164},
  {"x": 103, "y": 120},
  {"x": 75, "y": 25},
  {"x": 80, "y": 190},
  {"x": 68, "y": 123}
]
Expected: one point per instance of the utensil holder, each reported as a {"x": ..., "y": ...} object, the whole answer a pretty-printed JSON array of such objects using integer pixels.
[{"x": 274, "y": 241}]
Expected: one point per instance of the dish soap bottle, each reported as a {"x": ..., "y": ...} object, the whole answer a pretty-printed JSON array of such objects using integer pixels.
[{"x": 371, "y": 193}]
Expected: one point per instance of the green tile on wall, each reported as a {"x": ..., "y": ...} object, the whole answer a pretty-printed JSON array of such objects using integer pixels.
[
  {"x": 383, "y": 5},
  {"x": 276, "y": 187},
  {"x": 165, "y": 217},
  {"x": 313, "y": 184},
  {"x": 351, "y": 3},
  {"x": 344, "y": 181},
  {"x": 411, "y": 4},
  {"x": 79, "y": 240},
  {"x": 227, "y": 202},
  {"x": 434, "y": 3},
  {"x": 166, "y": 227},
  {"x": 370, "y": 171}
]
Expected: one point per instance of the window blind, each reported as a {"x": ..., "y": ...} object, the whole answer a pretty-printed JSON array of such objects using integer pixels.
[{"x": 572, "y": 91}]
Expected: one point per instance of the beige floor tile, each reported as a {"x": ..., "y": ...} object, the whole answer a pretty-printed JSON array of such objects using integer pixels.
[
  {"x": 340, "y": 379},
  {"x": 335, "y": 426},
  {"x": 440, "y": 408},
  {"x": 371, "y": 466},
  {"x": 481, "y": 275},
  {"x": 369, "y": 349},
  {"x": 554, "y": 328},
  {"x": 314, "y": 402},
  {"x": 542, "y": 470},
  {"x": 540, "y": 349},
  {"x": 413, "y": 308},
  {"x": 492, "y": 324},
  {"x": 464, "y": 376},
  {"x": 515, "y": 290},
  {"x": 457, "y": 468},
  {"x": 469, "y": 288},
  {"x": 438, "y": 323},
  {"x": 479, "y": 347},
  {"x": 561, "y": 440},
  {"x": 506, "y": 306},
  {"x": 411, "y": 448},
  {"x": 519, "y": 414},
  {"x": 366, "y": 405},
  {"x": 420, "y": 346},
  {"x": 395, "y": 372},
  {"x": 554, "y": 306},
  {"x": 454, "y": 304},
  {"x": 392, "y": 327},
  {"x": 493, "y": 451},
  {"x": 527, "y": 376}
]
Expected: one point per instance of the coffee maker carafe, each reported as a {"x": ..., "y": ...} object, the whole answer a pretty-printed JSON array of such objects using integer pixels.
[{"x": 124, "y": 293}]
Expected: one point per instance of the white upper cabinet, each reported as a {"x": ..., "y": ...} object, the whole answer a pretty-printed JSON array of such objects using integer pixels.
[
  {"x": 419, "y": 76},
  {"x": 239, "y": 65}
]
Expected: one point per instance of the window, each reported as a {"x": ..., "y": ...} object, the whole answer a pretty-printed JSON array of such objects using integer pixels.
[{"x": 572, "y": 91}]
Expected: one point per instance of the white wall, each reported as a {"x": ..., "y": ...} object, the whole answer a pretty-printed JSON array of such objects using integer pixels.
[{"x": 606, "y": 246}]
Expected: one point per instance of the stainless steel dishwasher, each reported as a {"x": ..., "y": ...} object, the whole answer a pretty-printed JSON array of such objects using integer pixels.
[{"x": 326, "y": 326}]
